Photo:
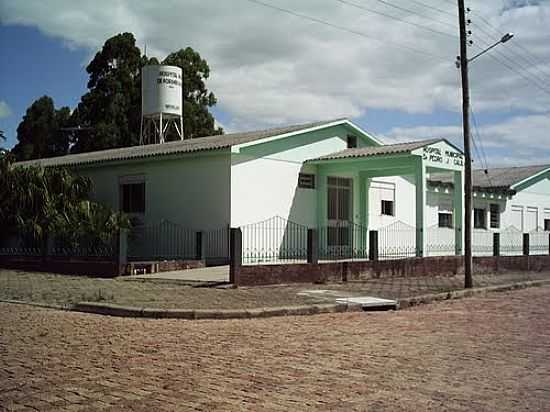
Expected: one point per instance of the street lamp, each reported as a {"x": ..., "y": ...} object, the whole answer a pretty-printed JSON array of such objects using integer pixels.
[{"x": 504, "y": 39}]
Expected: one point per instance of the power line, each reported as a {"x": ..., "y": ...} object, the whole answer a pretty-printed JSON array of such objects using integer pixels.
[
  {"x": 406, "y": 10},
  {"x": 389, "y": 16},
  {"x": 533, "y": 60},
  {"x": 476, "y": 130},
  {"x": 509, "y": 63},
  {"x": 348, "y": 30},
  {"x": 429, "y": 6}
]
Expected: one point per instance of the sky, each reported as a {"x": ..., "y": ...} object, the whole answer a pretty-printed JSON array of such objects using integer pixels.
[{"x": 387, "y": 65}]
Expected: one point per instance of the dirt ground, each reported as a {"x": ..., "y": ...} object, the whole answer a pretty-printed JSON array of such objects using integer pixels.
[
  {"x": 483, "y": 354},
  {"x": 65, "y": 290}
]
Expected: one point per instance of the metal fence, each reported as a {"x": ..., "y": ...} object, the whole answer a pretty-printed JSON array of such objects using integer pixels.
[
  {"x": 397, "y": 241},
  {"x": 482, "y": 242},
  {"x": 84, "y": 246},
  {"x": 539, "y": 242},
  {"x": 58, "y": 246},
  {"x": 343, "y": 241},
  {"x": 275, "y": 240},
  {"x": 511, "y": 242},
  {"x": 21, "y": 245},
  {"x": 163, "y": 241},
  {"x": 216, "y": 245},
  {"x": 440, "y": 241}
]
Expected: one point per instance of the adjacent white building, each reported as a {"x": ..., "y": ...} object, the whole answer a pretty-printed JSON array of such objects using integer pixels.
[{"x": 329, "y": 175}]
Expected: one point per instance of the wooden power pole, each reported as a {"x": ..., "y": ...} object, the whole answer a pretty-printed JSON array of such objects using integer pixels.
[{"x": 468, "y": 282}]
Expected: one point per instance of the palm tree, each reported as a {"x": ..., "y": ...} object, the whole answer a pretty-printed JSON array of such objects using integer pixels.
[{"x": 37, "y": 202}]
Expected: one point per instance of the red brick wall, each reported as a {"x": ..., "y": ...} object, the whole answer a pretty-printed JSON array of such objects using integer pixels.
[
  {"x": 348, "y": 271},
  {"x": 71, "y": 266}
]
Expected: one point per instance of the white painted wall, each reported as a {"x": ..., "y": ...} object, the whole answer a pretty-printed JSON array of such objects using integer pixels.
[
  {"x": 266, "y": 186},
  {"x": 405, "y": 204},
  {"x": 534, "y": 199}
]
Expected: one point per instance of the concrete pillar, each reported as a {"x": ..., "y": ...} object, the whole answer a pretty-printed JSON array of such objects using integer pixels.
[
  {"x": 364, "y": 184},
  {"x": 373, "y": 245},
  {"x": 200, "y": 246},
  {"x": 312, "y": 246},
  {"x": 121, "y": 250},
  {"x": 236, "y": 254},
  {"x": 420, "y": 182},
  {"x": 496, "y": 244}
]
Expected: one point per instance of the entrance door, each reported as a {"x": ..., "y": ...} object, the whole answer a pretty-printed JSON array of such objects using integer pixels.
[{"x": 339, "y": 211}]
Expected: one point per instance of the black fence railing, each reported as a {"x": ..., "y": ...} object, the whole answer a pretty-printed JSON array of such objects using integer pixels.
[
  {"x": 216, "y": 245},
  {"x": 511, "y": 242},
  {"x": 21, "y": 245},
  {"x": 85, "y": 246},
  {"x": 54, "y": 245},
  {"x": 343, "y": 241},
  {"x": 397, "y": 241},
  {"x": 539, "y": 242},
  {"x": 274, "y": 240},
  {"x": 440, "y": 241},
  {"x": 163, "y": 241}
]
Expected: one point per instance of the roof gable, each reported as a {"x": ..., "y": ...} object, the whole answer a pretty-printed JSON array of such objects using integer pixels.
[
  {"x": 201, "y": 144},
  {"x": 502, "y": 178}
]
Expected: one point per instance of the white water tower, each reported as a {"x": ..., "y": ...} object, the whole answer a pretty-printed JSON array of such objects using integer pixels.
[{"x": 161, "y": 103}]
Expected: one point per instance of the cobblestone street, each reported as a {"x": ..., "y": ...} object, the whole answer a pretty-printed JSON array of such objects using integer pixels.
[{"x": 490, "y": 353}]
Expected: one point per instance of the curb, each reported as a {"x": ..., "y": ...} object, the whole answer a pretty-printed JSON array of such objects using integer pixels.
[
  {"x": 126, "y": 311},
  {"x": 196, "y": 314},
  {"x": 465, "y": 293}
]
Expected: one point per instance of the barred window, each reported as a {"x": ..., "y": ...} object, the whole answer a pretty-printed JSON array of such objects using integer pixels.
[
  {"x": 306, "y": 181},
  {"x": 445, "y": 219},
  {"x": 133, "y": 197},
  {"x": 480, "y": 219}
]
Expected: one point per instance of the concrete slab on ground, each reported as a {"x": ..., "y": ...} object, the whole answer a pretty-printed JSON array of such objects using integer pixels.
[
  {"x": 214, "y": 274},
  {"x": 370, "y": 302}
]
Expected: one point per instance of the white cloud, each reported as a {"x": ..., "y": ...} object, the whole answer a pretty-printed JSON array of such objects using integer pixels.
[
  {"x": 269, "y": 67},
  {"x": 5, "y": 110},
  {"x": 518, "y": 140}
]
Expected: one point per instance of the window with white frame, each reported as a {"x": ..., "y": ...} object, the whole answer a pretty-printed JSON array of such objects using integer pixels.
[
  {"x": 547, "y": 219},
  {"x": 445, "y": 213},
  {"x": 132, "y": 194},
  {"x": 480, "y": 218},
  {"x": 385, "y": 192}
]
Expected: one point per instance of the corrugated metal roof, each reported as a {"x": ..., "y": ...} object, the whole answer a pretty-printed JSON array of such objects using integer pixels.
[
  {"x": 387, "y": 149},
  {"x": 172, "y": 148},
  {"x": 497, "y": 178}
]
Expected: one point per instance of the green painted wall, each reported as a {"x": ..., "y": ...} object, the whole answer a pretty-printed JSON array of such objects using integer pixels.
[{"x": 193, "y": 191}]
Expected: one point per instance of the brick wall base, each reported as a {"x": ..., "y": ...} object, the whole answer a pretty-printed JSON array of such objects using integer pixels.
[
  {"x": 363, "y": 270},
  {"x": 97, "y": 267}
]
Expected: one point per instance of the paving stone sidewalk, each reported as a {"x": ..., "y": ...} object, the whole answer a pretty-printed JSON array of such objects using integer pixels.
[
  {"x": 67, "y": 290},
  {"x": 487, "y": 353}
]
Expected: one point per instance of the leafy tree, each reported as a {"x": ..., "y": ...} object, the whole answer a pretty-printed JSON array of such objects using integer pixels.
[
  {"x": 112, "y": 106},
  {"x": 110, "y": 113},
  {"x": 196, "y": 99},
  {"x": 3, "y": 138},
  {"x": 40, "y": 201},
  {"x": 40, "y": 134}
]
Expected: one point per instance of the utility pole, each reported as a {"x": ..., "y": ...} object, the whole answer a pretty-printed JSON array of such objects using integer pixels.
[{"x": 468, "y": 282}]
